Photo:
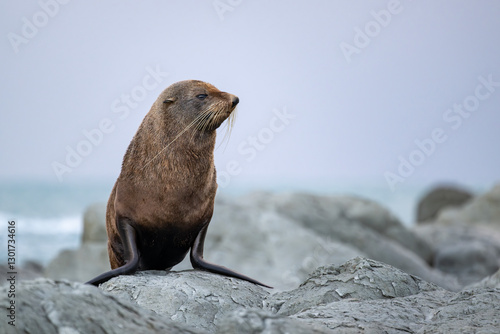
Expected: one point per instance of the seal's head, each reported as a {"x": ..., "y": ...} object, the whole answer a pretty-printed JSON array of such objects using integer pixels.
[
  {"x": 197, "y": 104},
  {"x": 181, "y": 124}
]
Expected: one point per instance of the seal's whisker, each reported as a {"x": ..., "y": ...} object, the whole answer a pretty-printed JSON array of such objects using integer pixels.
[
  {"x": 229, "y": 128},
  {"x": 204, "y": 121},
  {"x": 173, "y": 140},
  {"x": 200, "y": 121},
  {"x": 207, "y": 118}
]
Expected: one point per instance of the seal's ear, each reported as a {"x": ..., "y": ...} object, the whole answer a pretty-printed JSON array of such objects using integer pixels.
[{"x": 169, "y": 100}]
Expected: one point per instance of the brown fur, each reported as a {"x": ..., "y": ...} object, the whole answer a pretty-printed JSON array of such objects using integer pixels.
[{"x": 167, "y": 184}]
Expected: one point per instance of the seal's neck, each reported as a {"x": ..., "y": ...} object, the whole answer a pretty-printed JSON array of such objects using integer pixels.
[{"x": 163, "y": 148}]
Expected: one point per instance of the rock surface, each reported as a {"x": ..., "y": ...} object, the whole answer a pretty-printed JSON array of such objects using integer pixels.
[
  {"x": 94, "y": 223},
  {"x": 439, "y": 198},
  {"x": 352, "y": 295},
  {"x": 492, "y": 281},
  {"x": 470, "y": 311},
  {"x": 358, "y": 279},
  {"x": 469, "y": 261},
  {"x": 359, "y": 296},
  {"x": 482, "y": 210},
  {"x": 79, "y": 265},
  {"x": 197, "y": 298},
  {"x": 28, "y": 271},
  {"x": 45, "y": 306},
  {"x": 91, "y": 258},
  {"x": 328, "y": 214},
  {"x": 268, "y": 246},
  {"x": 466, "y": 240},
  {"x": 295, "y": 233},
  {"x": 280, "y": 239}
]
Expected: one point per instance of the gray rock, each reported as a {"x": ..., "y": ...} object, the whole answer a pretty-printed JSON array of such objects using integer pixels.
[
  {"x": 197, "y": 298},
  {"x": 358, "y": 279},
  {"x": 469, "y": 261},
  {"x": 268, "y": 246},
  {"x": 91, "y": 258},
  {"x": 328, "y": 214},
  {"x": 251, "y": 321},
  {"x": 470, "y": 311},
  {"x": 280, "y": 239},
  {"x": 45, "y": 306},
  {"x": 94, "y": 224},
  {"x": 343, "y": 220},
  {"x": 469, "y": 253},
  {"x": 399, "y": 315},
  {"x": 262, "y": 244},
  {"x": 360, "y": 296},
  {"x": 492, "y": 281},
  {"x": 438, "y": 198},
  {"x": 79, "y": 265},
  {"x": 28, "y": 271},
  {"x": 481, "y": 210},
  {"x": 440, "y": 234}
]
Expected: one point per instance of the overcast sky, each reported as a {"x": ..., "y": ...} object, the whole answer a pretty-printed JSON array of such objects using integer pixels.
[{"x": 405, "y": 91}]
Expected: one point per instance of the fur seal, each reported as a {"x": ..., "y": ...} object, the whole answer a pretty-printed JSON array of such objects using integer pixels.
[{"x": 162, "y": 202}]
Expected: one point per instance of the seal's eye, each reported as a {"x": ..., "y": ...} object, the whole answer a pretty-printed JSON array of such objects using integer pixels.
[{"x": 201, "y": 96}]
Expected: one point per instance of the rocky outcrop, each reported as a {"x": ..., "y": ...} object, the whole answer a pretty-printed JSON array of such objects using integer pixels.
[
  {"x": 470, "y": 311},
  {"x": 359, "y": 296},
  {"x": 79, "y": 265},
  {"x": 268, "y": 246},
  {"x": 466, "y": 240},
  {"x": 91, "y": 258},
  {"x": 28, "y": 271},
  {"x": 492, "y": 281},
  {"x": 280, "y": 239},
  {"x": 196, "y": 298},
  {"x": 439, "y": 198},
  {"x": 94, "y": 224},
  {"x": 358, "y": 279},
  {"x": 483, "y": 210},
  {"x": 295, "y": 233},
  {"x": 329, "y": 215},
  {"x": 46, "y": 306}
]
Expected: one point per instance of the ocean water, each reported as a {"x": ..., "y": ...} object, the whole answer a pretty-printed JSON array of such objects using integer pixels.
[{"x": 49, "y": 216}]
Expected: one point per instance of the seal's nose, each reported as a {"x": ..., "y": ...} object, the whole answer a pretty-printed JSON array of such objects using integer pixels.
[{"x": 235, "y": 101}]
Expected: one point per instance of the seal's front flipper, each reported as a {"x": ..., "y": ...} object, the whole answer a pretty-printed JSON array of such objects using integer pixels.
[
  {"x": 199, "y": 263},
  {"x": 128, "y": 236}
]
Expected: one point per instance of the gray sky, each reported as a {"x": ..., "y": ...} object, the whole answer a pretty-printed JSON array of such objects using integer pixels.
[{"x": 329, "y": 90}]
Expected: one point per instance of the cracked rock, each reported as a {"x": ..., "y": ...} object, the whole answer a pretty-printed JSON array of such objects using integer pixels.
[
  {"x": 46, "y": 306},
  {"x": 194, "y": 297},
  {"x": 358, "y": 279}
]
